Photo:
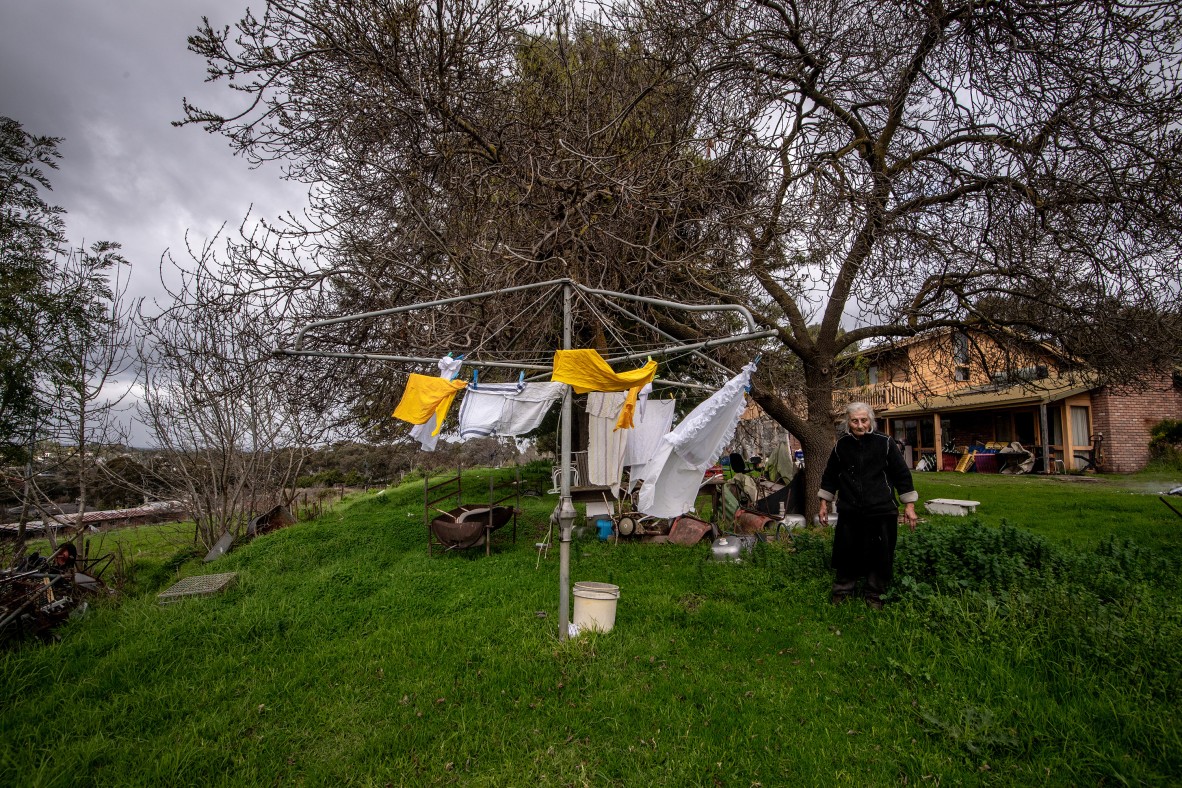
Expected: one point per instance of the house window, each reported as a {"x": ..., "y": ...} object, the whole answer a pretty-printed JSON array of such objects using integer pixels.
[
  {"x": 873, "y": 375},
  {"x": 960, "y": 357},
  {"x": 1079, "y": 425}
]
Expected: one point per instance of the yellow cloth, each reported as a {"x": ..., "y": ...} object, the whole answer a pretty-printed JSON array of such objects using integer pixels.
[
  {"x": 585, "y": 370},
  {"x": 426, "y": 395}
]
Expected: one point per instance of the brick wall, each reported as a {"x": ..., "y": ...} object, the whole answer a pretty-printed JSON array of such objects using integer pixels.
[{"x": 1125, "y": 418}]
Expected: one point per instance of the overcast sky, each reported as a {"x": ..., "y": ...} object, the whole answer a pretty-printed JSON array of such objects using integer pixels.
[{"x": 108, "y": 77}]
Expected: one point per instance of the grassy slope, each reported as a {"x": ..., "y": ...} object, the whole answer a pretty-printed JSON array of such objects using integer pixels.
[{"x": 345, "y": 654}]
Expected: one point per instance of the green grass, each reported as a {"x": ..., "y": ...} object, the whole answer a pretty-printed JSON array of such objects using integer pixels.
[
  {"x": 1073, "y": 510},
  {"x": 345, "y": 655}
]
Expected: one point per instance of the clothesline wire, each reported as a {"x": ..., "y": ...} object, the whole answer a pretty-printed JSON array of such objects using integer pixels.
[
  {"x": 595, "y": 313},
  {"x": 656, "y": 345},
  {"x": 632, "y": 315},
  {"x": 529, "y": 306}
]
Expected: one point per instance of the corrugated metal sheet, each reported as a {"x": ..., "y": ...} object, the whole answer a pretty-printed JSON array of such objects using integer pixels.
[{"x": 99, "y": 518}]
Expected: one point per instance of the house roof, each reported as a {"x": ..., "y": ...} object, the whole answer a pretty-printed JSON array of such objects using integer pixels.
[{"x": 1050, "y": 389}]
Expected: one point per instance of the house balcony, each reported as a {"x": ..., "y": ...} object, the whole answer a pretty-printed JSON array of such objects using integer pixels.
[{"x": 880, "y": 396}]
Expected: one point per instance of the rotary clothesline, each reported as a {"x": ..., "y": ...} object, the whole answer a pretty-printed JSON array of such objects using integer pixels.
[{"x": 677, "y": 460}]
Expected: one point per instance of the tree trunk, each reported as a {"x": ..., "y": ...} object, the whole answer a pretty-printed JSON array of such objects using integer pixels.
[
  {"x": 814, "y": 429},
  {"x": 81, "y": 528},
  {"x": 818, "y": 437}
]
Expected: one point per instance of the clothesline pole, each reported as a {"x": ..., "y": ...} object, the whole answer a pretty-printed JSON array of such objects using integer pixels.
[{"x": 566, "y": 509}]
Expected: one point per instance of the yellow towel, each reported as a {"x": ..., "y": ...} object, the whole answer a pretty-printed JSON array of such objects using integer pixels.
[
  {"x": 426, "y": 395},
  {"x": 585, "y": 370}
]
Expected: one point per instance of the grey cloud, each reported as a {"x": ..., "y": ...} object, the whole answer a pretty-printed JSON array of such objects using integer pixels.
[{"x": 109, "y": 78}]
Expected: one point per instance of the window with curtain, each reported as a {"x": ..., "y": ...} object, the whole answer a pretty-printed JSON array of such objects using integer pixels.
[
  {"x": 1079, "y": 425},
  {"x": 960, "y": 357}
]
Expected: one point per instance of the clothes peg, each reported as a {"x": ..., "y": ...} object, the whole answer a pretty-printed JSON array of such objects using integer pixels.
[
  {"x": 754, "y": 363},
  {"x": 475, "y": 378}
]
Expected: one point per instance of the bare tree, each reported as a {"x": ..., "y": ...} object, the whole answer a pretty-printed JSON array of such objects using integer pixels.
[
  {"x": 63, "y": 327},
  {"x": 96, "y": 349},
  {"x": 1013, "y": 167},
  {"x": 853, "y": 172},
  {"x": 232, "y": 425},
  {"x": 503, "y": 144}
]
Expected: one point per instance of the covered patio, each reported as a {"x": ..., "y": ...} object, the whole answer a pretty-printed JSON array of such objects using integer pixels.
[{"x": 1051, "y": 417}]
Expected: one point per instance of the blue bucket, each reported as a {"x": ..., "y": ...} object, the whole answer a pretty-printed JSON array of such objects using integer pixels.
[{"x": 605, "y": 529}]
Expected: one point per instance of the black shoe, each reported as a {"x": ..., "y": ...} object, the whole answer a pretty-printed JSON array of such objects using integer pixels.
[
  {"x": 874, "y": 602},
  {"x": 837, "y": 599}
]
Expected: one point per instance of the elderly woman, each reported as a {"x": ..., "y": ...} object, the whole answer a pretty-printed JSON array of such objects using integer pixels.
[{"x": 864, "y": 472}]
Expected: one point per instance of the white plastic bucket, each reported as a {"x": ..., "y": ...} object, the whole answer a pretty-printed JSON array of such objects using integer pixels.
[{"x": 595, "y": 606}]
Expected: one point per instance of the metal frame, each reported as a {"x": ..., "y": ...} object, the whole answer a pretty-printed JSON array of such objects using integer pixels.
[
  {"x": 566, "y": 510},
  {"x": 443, "y": 491}
]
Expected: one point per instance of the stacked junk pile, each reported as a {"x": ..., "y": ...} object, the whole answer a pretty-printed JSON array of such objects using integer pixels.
[
  {"x": 39, "y": 593},
  {"x": 750, "y": 504}
]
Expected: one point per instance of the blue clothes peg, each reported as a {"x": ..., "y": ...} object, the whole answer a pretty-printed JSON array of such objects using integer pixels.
[{"x": 755, "y": 363}]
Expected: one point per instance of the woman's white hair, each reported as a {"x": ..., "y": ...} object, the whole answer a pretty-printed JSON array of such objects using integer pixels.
[{"x": 858, "y": 407}]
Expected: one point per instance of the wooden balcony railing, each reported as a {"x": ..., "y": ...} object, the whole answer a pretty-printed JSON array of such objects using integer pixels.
[{"x": 880, "y": 396}]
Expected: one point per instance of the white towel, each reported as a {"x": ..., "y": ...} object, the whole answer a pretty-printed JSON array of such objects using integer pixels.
[
  {"x": 506, "y": 409},
  {"x": 673, "y": 476},
  {"x": 524, "y": 410},
  {"x": 482, "y": 409},
  {"x": 605, "y": 444}
]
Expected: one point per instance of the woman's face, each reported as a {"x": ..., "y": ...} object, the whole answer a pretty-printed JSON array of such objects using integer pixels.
[{"x": 859, "y": 423}]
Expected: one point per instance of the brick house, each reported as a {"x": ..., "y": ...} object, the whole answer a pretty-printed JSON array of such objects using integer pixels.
[{"x": 948, "y": 394}]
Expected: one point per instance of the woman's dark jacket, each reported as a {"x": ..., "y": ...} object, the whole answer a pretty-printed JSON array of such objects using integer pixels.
[{"x": 866, "y": 472}]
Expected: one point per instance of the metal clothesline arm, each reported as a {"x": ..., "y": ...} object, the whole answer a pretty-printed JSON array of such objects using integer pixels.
[
  {"x": 709, "y": 343},
  {"x": 752, "y": 325},
  {"x": 332, "y": 321},
  {"x": 410, "y": 359},
  {"x": 628, "y": 313}
]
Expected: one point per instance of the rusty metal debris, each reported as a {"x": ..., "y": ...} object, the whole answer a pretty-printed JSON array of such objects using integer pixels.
[
  {"x": 39, "y": 593},
  {"x": 199, "y": 585}
]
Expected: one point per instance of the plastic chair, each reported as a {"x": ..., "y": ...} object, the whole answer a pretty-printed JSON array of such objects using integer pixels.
[{"x": 556, "y": 479}]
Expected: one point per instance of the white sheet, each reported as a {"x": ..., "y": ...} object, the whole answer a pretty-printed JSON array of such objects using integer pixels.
[
  {"x": 643, "y": 440},
  {"x": 674, "y": 474}
]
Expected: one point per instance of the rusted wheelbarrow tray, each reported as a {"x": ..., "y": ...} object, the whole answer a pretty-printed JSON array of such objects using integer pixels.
[{"x": 466, "y": 526}]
